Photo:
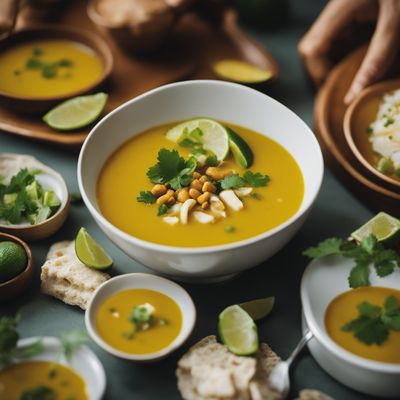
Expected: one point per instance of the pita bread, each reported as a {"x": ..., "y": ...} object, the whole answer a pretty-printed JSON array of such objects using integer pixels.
[{"x": 311, "y": 394}]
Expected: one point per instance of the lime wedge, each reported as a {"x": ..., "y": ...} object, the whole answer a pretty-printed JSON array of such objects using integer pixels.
[
  {"x": 240, "y": 149},
  {"x": 76, "y": 112},
  {"x": 385, "y": 227},
  {"x": 238, "y": 331},
  {"x": 90, "y": 252},
  {"x": 213, "y": 137},
  {"x": 260, "y": 308},
  {"x": 240, "y": 71}
]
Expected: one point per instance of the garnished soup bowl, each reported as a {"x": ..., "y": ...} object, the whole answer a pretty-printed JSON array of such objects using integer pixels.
[{"x": 229, "y": 102}]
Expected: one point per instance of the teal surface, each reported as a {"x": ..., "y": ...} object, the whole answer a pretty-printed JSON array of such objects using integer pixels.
[{"x": 336, "y": 212}]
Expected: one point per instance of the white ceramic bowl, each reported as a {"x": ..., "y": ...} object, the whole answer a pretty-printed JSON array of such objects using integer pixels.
[
  {"x": 83, "y": 361},
  {"x": 224, "y": 101},
  {"x": 322, "y": 281},
  {"x": 142, "y": 281}
]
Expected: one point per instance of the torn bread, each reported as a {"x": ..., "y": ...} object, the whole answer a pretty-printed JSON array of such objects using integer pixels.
[
  {"x": 209, "y": 371},
  {"x": 311, "y": 394},
  {"x": 64, "y": 277}
]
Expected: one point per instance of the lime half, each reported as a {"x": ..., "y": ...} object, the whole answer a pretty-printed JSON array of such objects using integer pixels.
[
  {"x": 213, "y": 136},
  {"x": 76, "y": 112},
  {"x": 238, "y": 331},
  {"x": 90, "y": 252},
  {"x": 260, "y": 308},
  {"x": 240, "y": 149},
  {"x": 385, "y": 227},
  {"x": 13, "y": 260},
  {"x": 240, "y": 71}
]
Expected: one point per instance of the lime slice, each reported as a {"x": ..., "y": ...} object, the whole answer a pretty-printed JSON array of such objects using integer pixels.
[
  {"x": 90, "y": 252},
  {"x": 385, "y": 227},
  {"x": 238, "y": 331},
  {"x": 240, "y": 71},
  {"x": 214, "y": 136},
  {"x": 260, "y": 308},
  {"x": 76, "y": 112},
  {"x": 240, "y": 149}
]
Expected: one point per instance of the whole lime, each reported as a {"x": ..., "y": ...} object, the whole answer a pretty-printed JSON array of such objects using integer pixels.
[{"x": 13, "y": 260}]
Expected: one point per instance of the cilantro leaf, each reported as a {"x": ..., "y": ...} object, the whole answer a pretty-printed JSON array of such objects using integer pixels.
[
  {"x": 391, "y": 313},
  {"x": 256, "y": 179},
  {"x": 359, "y": 276},
  {"x": 232, "y": 182},
  {"x": 367, "y": 330},
  {"x": 170, "y": 163},
  {"x": 327, "y": 247},
  {"x": 163, "y": 209},
  {"x": 369, "y": 310},
  {"x": 212, "y": 161},
  {"x": 38, "y": 393},
  {"x": 146, "y": 197},
  {"x": 72, "y": 340}
]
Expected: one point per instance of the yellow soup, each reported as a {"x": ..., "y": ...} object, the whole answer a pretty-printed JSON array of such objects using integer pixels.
[
  {"x": 343, "y": 309},
  {"x": 114, "y": 323},
  {"x": 31, "y": 375},
  {"x": 124, "y": 176},
  {"x": 47, "y": 68}
]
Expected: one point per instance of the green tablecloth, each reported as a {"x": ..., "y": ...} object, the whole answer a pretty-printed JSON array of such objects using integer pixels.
[{"x": 336, "y": 212}]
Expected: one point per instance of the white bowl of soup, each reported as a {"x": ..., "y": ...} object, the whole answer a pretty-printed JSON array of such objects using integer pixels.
[
  {"x": 118, "y": 152},
  {"x": 329, "y": 304},
  {"x": 82, "y": 377},
  {"x": 140, "y": 317}
]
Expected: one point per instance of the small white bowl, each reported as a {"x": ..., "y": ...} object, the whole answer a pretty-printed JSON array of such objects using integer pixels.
[
  {"x": 142, "y": 281},
  {"x": 83, "y": 361},
  {"x": 323, "y": 280},
  {"x": 225, "y": 101}
]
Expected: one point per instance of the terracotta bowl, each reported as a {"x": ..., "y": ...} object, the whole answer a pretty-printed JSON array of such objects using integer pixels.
[
  {"x": 36, "y": 105},
  {"x": 16, "y": 285},
  {"x": 358, "y": 116}
]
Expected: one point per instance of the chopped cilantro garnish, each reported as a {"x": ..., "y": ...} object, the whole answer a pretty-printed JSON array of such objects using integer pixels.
[
  {"x": 256, "y": 179},
  {"x": 229, "y": 229},
  {"x": 369, "y": 251},
  {"x": 163, "y": 209},
  {"x": 38, "y": 393},
  {"x": 389, "y": 121},
  {"x": 232, "y": 182},
  {"x": 374, "y": 323},
  {"x": 256, "y": 196},
  {"x": 146, "y": 197},
  {"x": 212, "y": 161}
]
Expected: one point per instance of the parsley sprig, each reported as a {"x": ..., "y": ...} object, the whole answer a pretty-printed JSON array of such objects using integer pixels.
[
  {"x": 368, "y": 252},
  {"x": 172, "y": 169},
  {"x": 253, "y": 179},
  {"x": 374, "y": 323}
]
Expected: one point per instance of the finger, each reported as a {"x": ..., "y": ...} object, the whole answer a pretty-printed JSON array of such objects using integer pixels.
[
  {"x": 316, "y": 43},
  {"x": 382, "y": 49}
]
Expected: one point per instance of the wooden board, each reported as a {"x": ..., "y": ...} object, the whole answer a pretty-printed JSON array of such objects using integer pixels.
[
  {"x": 189, "y": 53},
  {"x": 329, "y": 111}
]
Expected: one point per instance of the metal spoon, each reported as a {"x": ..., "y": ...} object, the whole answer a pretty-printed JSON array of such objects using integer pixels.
[{"x": 279, "y": 377}]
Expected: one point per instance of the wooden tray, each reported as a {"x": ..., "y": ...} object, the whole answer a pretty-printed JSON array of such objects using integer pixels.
[
  {"x": 193, "y": 47},
  {"x": 329, "y": 111}
]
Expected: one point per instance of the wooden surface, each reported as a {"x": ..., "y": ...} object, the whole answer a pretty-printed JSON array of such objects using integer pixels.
[
  {"x": 190, "y": 52},
  {"x": 329, "y": 110}
]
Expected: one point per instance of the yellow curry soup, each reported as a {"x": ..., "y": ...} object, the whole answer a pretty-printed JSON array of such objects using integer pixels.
[
  {"x": 48, "y": 68},
  {"x": 21, "y": 377},
  {"x": 116, "y": 327},
  {"x": 343, "y": 309},
  {"x": 124, "y": 176}
]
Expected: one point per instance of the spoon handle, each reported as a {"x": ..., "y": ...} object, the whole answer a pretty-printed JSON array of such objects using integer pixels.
[{"x": 304, "y": 340}]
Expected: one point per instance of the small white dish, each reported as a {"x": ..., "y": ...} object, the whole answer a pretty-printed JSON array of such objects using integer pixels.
[
  {"x": 322, "y": 281},
  {"x": 225, "y": 101},
  {"x": 83, "y": 361},
  {"x": 142, "y": 281},
  {"x": 10, "y": 164}
]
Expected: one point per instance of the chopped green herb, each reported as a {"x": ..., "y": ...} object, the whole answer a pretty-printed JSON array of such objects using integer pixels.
[
  {"x": 65, "y": 62},
  {"x": 256, "y": 196},
  {"x": 163, "y": 209},
  {"x": 374, "y": 323},
  {"x": 369, "y": 251},
  {"x": 232, "y": 182},
  {"x": 33, "y": 63},
  {"x": 71, "y": 341},
  {"x": 49, "y": 71},
  {"x": 389, "y": 121},
  {"x": 141, "y": 318},
  {"x": 17, "y": 72},
  {"x": 369, "y": 130},
  {"x": 38, "y": 393},
  {"x": 146, "y": 197},
  {"x": 256, "y": 179},
  {"x": 36, "y": 51},
  {"x": 212, "y": 161},
  {"x": 229, "y": 229},
  {"x": 75, "y": 198}
]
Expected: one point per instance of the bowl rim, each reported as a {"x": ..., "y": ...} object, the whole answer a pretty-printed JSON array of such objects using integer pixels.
[
  {"x": 174, "y": 345},
  {"x": 348, "y": 132},
  {"x": 302, "y": 210},
  {"x": 29, "y": 263},
  {"x": 84, "y": 350},
  {"x": 323, "y": 338},
  {"x": 15, "y": 228},
  {"x": 94, "y": 41}
]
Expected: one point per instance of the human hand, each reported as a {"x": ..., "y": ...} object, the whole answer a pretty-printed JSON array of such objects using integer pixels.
[{"x": 338, "y": 16}]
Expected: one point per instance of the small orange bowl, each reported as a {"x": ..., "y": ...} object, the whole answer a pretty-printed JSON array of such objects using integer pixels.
[
  {"x": 15, "y": 286},
  {"x": 40, "y": 104}
]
